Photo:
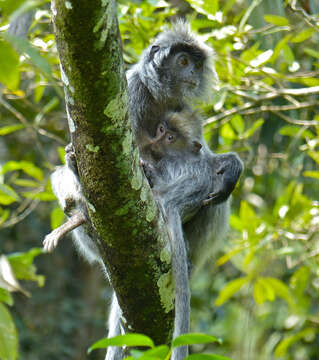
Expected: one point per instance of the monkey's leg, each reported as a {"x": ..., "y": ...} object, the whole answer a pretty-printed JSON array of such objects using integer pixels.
[
  {"x": 51, "y": 240},
  {"x": 114, "y": 352}
]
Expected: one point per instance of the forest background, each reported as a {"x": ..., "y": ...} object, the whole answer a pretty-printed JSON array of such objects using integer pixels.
[{"x": 260, "y": 294}]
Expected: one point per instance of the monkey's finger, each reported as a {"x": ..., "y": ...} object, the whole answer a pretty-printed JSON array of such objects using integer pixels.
[{"x": 211, "y": 197}]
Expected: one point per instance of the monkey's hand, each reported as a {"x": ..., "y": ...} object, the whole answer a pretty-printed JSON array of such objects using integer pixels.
[
  {"x": 70, "y": 158},
  {"x": 149, "y": 172},
  {"x": 212, "y": 197},
  {"x": 51, "y": 240}
]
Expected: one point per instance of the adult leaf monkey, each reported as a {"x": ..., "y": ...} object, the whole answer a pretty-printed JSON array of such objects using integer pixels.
[
  {"x": 173, "y": 72},
  {"x": 186, "y": 178}
]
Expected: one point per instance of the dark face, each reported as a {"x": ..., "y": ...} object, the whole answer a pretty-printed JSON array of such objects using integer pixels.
[
  {"x": 184, "y": 69},
  {"x": 168, "y": 142}
]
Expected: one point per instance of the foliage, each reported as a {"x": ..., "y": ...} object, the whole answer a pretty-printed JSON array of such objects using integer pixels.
[
  {"x": 262, "y": 297},
  {"x": 158, "y": 352}
]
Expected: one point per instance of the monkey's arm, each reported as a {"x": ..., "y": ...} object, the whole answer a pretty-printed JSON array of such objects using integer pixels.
[{"x": 51, "y": 240}]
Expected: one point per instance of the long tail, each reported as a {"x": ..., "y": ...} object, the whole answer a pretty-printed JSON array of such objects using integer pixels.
[{"x": 181, "y": 281}]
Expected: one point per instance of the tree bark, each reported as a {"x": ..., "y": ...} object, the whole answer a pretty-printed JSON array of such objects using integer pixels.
[{"x": 119, "y": 200}]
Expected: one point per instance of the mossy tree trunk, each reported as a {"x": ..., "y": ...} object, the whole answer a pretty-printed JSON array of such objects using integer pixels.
[{"x": 119, "y": 200}]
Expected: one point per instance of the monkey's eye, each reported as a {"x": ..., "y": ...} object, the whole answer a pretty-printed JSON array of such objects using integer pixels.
[
  {"x": 161, "y": 129},
  {"x": 170, "y": 138},
  {"x": 183, "y": 60}
]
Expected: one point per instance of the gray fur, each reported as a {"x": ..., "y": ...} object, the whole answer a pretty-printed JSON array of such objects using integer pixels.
[
  {"x": 153, "y": 89},
  {"x": 184, "y": 176},
  {"x": 181, "y": 181}
]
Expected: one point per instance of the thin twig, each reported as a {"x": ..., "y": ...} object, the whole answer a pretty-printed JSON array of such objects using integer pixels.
[
  {"x": 16, "y": 219},
  {"x": 310, "y": 20}
]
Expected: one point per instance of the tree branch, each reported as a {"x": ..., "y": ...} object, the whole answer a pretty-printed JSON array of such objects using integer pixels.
[
  {"x": 120, "y": 203},
  {"x": 277, "y": 93}
]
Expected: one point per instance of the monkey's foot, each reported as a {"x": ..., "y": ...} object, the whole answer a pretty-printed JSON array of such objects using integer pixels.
[
  {"x": 51, "y": 241},
  {"x": 70, "y": 158},
  {"x": 148, "y": 172}
]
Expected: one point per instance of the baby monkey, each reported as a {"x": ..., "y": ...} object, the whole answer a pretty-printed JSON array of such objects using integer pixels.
[{"x": 185, "y": 177}]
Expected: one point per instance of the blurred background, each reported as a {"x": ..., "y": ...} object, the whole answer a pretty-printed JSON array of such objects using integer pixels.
[{"x": 260, "y": 294}]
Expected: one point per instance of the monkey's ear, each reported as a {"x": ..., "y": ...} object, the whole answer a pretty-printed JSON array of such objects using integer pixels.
[
  {"x": 153, "y": 51},
  {"x": 197, "y": 146}
]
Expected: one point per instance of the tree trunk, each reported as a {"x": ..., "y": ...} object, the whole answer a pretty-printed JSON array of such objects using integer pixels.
[{"x": 120, "y": 203}]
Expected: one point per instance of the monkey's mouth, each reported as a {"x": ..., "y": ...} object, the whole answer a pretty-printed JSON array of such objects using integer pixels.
[{"x": 192, "y": 84}]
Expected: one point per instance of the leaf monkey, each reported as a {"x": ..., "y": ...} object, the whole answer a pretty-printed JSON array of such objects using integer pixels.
[
  {"x": 186, "y": 177},
  {"x": 174, "y": 71}
]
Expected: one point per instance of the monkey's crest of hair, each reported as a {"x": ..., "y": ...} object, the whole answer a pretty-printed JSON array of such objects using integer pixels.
[{"x": 152, "y": 59}]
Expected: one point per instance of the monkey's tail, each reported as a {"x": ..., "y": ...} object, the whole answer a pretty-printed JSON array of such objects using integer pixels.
[{"x": 181, "y": 282}]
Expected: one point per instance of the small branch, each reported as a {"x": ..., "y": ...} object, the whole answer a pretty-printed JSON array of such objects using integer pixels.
[
  {"x": 49, "y": 135},
  {"x": 274, "y": 108},
  {"x": 28, "y": 210},
  {"x": 310, "y": 20},
  {"x": 280, "y": 92},
  {"x": 51, "y": 240},
  {"x": 289, "y": 120}
]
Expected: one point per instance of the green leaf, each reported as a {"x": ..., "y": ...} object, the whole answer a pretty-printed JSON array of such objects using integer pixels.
[
  {"x": 42, "y": 196},
  {"x": 61, "y": 152},
  {"x": 312, "y": 52},
  {"x": 8, "y": 336},
  {"x": 263, "y": 291},
  {"x": 4, "y": 214},
  {"x": 223, "y": 259},
  {"x": 314, "y": 155},
  {"x": 238, "y": 123},
  {"x": 23, "y": 268},
  {"x": 207, "y": 357},
  {"x": 281, "y": 290},
  {"x": 9, "y": 61},
  {"x": 230, "y": 289},
  {"x": 23, "y": 46},
  {"x": 194, "y": 338},
  {"x": 6, "y": 297},
  {"x": 311, "y": 174},
  {"x": 276, "y": 20},
  {"x": 5, "y": 130},
  {"x": 249, "y": 132},
  {"x": 8, "y": 6},
  {"x": 293, "y": 131},
  {"x": 227, "y": 132},
  {"x": 57, "y": 217},
  {"x": 159, "y": 352},
  {"x": 26, "y": 183},
  {"x": 279, "y": 47},
  {"x": 7, "y": 195},
  {"x": 288, "y": 54},
  {"x": 282, "y": 347},
  {"x": 123, "y": 340},
  {"x": 208, "y": 8},
  {"x": 302, "y": 36},
  {"x": 300, "y": 280},
  {"x": 26, "y": 166}
]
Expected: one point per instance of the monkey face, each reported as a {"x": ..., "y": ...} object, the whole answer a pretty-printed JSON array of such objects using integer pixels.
[
  {"x": 170, "y": 142},
  {"x": 185, "y": 71}
]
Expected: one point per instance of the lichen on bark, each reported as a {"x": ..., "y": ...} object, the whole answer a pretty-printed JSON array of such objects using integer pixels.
[{"x": 120, "y": 204}]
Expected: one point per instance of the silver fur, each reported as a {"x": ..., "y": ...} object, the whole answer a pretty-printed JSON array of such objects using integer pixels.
[
  {"x": 182, "y": 180},
  {"x": 182, "y": 184},
  {"x": 152, "y": 92}
]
